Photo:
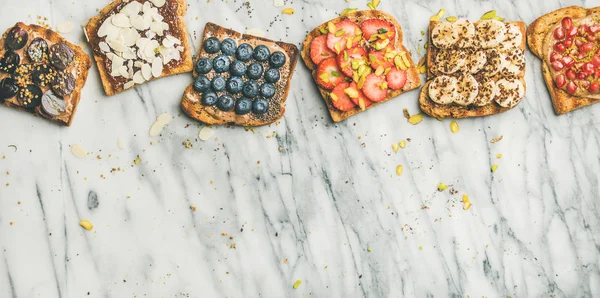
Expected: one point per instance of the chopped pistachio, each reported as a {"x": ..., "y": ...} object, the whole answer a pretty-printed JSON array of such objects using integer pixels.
[
  {"x": 454, "y": 127},
  {"x": 333, "y": 97},
  {"x": 451, "y": 19},
  {"x": 488, "y": 15},
  {"x": 416, "y": 119},
  {"x": 340, "y": 32},
  {"x": 348, "y": 10},
  {"x": 399, "y": 170},
  {"x": 466, "y": 202},
  {"x": 442, "y": 186},
  {"x": 494, "y": 167},
  {"x": 379, "y": 70},
  {"x": 351, "y": 92},
  {"x": 323, "y": 30},
  {"x": 498, "y": 18},
  {"x": 331, "y": 27},
  {"x": 376, "y": 3},
  {"x": 371, "y": 6}
]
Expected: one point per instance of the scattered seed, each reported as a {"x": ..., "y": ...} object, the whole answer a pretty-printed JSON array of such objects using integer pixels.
[
  {"x": 442, "y": 186},
  {"x": 289, "y": 11},
  {"x": 454, "y": 127},
  {"x": 399, "y": 170},
  {"x": 488, "y": 15},
  {"x": 466, "y": 202},
  {"x": 402, "y": 144},
  {"x": 297, "y": 284},
  {"x": 86, "y": 224},
  {"x": 494, "y": 167},
  {"x": 498, "y": 139},
  {"x": 415, "y": 119},
  {"x": 395, "y": 147},
  {"x": 499, "y": 155}
]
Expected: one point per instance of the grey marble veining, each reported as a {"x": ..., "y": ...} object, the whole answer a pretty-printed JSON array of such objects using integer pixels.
[{"x": 303, "y": 200}]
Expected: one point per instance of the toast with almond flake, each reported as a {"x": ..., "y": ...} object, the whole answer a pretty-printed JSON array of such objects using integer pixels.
[
  {"x": 474, "y": 69},
  {"x": 138, "y": 41},
  {"x": 358, "y": 62}
]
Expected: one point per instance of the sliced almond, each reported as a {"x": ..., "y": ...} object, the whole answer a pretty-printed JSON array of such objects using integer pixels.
[
  {"x": 132, "y": 9},
  {"x": 123, "y": 71},
  {"x": 78, "y": 151},
  {"x": 64, "y": 27},
  {"x": 121, "y": 20},
  {"x": 205, "y": 133},
  {"x": 158, "y": 3},
  {"x": 138, "y": 78},
  {"x": 164, "y": 118},
  {"x": 128, "y": 85},
  {"x": 147, "y": 71},
  {"x": 157, "y": 67},
  {"x": 117, "y": 45},
  {"x": 138, "y": 23},
  {"x": 121, "y": 143},
  {"x": 104, "y": 47},
  {"x": 175, "y": 40},
  {"x": 130, "y": 36}
]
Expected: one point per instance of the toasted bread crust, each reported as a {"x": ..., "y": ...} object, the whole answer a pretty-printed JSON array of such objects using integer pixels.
[
  {"x": 111, "y": 87},
  {"x": 436, "y": 110},
  {"x": 80, "y": 66},
  {"x": 192, "y": 106},
  {"x": 413, "y": 79},
  {"x": 536, "y": 36}
]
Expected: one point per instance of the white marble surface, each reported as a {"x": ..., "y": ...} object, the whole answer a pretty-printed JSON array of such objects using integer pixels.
[{"x": 533, "y": 229}]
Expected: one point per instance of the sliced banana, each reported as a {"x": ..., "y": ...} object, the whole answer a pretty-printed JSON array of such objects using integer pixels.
[
  {"x": 515, "y": 64},
  {"x": 444, "y": 35},
  {"x": 450, "y": 61},
  {"x": 510, "y": 92},
  {"x": 487, "y": 93},
  {"x": 475, "y": 62},
  {"x": 466, "y": 33},
  {"x": 468, "y": 89},
  {"x": 490, "y": 33},
  {"x": 514, "y": 38},
  {"x": 496, "y": 61},
  {"x": 443, "y": 89}
]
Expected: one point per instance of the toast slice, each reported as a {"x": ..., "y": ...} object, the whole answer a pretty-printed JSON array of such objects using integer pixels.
[
  {"x": 453, "y": 110},
  {"x": 538, "y": 40},
  {"x": 191, "y": 102},
  {"x": 413, "y": 80},
  {"x": 171, "y": 15},
  {"x": 67, "y": 79}
]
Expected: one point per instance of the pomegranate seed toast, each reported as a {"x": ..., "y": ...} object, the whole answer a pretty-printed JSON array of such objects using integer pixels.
[
  {"x": 474, "y": 69},
  {"x": 41, "y": 72},
  {"x": 567, "y": 41},
  {"x": 135, "y": 41},
  {"x": 363, "y": 48},
  {"x": 239, "y": 79}
]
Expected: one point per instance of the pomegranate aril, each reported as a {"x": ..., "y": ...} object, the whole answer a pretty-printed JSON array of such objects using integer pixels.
[
  {"x": 578, "y": 42},
  {"x": 567, "y": 23},
  {"x": 560, "y": 80},
  {"x": 572, "y": 31},
  {"x": 594, "y": 87},
  {"x": 571, "y": 75},
  {"x": 559, "y": 33},
  {"x": 568, "y": 42},
  {"x": 582, "y": 30},
  {"x": 557, "y": 65},
  {"x": 591, "y": 38},
  {"x": 559, "y": 47},
  {"x": 581, "y": 75},
  {"x": 571, "y": 87},
  {"x": 584, "y": 84},
  {"x": 568, "y": 61},
  {"x": 556, "y": 56},
  {"x": 596, "y": 60},
  {"x": 594, "y": 28},
  {"x": 589, "y": 68}
]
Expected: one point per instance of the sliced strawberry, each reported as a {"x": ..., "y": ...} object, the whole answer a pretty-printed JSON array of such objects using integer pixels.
[
  {"x": 340, "y": 99},
  {"x": 377, "y": 58},
  {"x": 345, "y": 58},
  {"x": 361, "y": 96},
  {"x": 371, "y": 27},
  {"x": 329, "y": 74},
  {"x": 346, "y": 31},
  {"x": 319, "y": 50},
  {"x": 375, "y": 88},
  {"x": 396, "y": 78}
]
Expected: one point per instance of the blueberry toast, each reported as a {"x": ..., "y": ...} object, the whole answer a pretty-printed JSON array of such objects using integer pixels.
[
  {"x": 239, "y": 79},
  {"x": 41, "y": 72}
]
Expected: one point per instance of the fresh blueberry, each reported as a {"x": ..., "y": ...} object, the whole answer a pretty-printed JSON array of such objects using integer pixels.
[
  {"x": 261, "y": 53},
  {"x": 250, "y": 89},
  {"x": 260, "y": 106},
  {"x": 218, "y": 83},
  {"x": 243, "y": 106},
  {"x": 221, "y": 63},
  {"x": 277, "y": 59},
  {"x": 209, "y": 98},
  {"x": 255, "y": 71},
  {"x": 228, "y": 46},
  {"x": 201, "y": 84},
  {"x": 237, "y": 68},
  {"x": 204, "y": 65},
  {"x": 267, "y": 90},
  {"x": 272, "y": 75},
  {"x": 244, "y": 52},
  {"x": 212, "y": 45},
  {"x": 235, "y": 85},
  {"x": 225, "y": 103}
]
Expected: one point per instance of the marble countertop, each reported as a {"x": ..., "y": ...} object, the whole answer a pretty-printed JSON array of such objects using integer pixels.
[{"x": 302, "y": 200}]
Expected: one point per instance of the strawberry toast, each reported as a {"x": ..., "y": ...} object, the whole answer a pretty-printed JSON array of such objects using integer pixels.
[{"x": 358, "y": 61}]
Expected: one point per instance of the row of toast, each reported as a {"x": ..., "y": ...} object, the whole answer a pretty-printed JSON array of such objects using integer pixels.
[{"x": 357, "y": 60}]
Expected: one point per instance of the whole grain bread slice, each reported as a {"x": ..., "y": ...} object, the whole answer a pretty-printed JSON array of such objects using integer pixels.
[
  {"x": 413, "y": 80},
  {"x": 177, "y": 28},
  {"x": 191, "y": 101},
  {"x": 436, "y": 110},
  {"x": 536, "y": 38},
  {"x": 79, "y": 68}
]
